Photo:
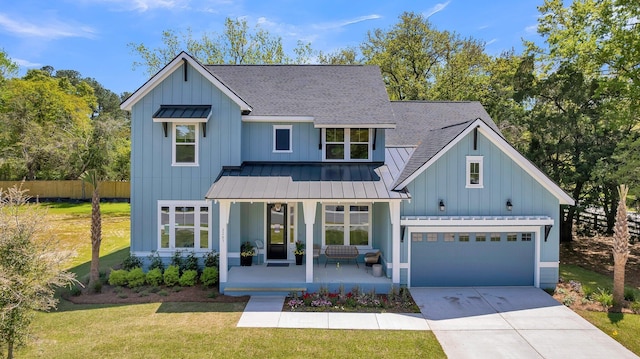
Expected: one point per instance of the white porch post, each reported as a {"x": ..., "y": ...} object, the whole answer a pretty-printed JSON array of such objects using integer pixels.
[
  {"x": 536, "y": 268},
  {"x": 309, "y": 209},
  {"x": 394, "y": 213},
  {"x": 224, "y": 207}
]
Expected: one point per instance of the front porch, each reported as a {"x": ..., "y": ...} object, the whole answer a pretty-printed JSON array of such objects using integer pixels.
[{"x": 241, "y": 279}]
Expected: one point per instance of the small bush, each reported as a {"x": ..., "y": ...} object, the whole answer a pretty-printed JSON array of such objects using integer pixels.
[
  {"x": 189, "y": 278},
  {"x": 97, "y": 287},
  {"x": 171, "y": 275},
  {"x": 588, "y": 292},
  {"x": 209, "y": 276},
  {"x": 75, "y": 291},
  {"x": 131, "y": 262},
  {"x": 154, "y": 277},
  {"x": 118, "y": 290},
  {"x": 211, "y": 259},
  {"x": 123, "y": 296},
  {"x": 136, "y": 277},
  {"x": 604, "y": 297},
  {"x": 155, "y": 261},
  {"x": 163, "y": 293},
  {"x": 153, "y": 289},
  {"x": 629, "y": 295},
  {"x": 178, "y": 261},
  {"x": 118, "y": 277},
  {"x": 635, "y": 306},
  {"x": 191, "y": 263}
]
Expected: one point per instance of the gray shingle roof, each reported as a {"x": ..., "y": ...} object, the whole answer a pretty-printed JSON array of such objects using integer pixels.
[
  {"x": 280, "y": 181},
  {"x": 332, "y": 94},
  {"x": 431, "y": 126}
]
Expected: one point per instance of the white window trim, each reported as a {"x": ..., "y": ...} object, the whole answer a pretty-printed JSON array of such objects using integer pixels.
[
  {"x": 479, "y": 160},
  {"x": 173, "y": 145},
  {"x": 172, "y": 225},
  {"x": 347, "y": 146},
  {"x": 283, "y": 127},
  {"x": 347, "y": 223}
]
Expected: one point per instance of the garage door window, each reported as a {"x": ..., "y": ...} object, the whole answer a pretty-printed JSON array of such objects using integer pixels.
[
  {"x": 495, "y": 237},
  {"x": 481, "y": 237},
  {"x": 512, "y": 237},
  {"x": 526, "y": 237},
  {"x": 416, "y": 237},
  {"x": 463, "y": 237}
]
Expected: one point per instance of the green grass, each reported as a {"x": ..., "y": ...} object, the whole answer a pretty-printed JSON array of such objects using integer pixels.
[
  {"x": 589, "y": 278},
  {"x": 185, "y": 330},
  {"x": 622, "y": 327}
]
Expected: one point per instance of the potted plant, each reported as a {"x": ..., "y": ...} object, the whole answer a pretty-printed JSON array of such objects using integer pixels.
[
  {"x": 247, "y": 251},
  {"x": 299, "y": 252}
]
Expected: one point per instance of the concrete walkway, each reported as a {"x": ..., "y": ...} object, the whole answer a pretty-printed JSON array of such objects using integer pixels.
[
  {"x": 498, "y": 322},
  {"x": 511, "y": 322},
  {"x": 266, "y": 312}
]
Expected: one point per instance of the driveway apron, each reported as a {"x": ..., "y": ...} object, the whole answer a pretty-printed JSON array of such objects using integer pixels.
[{"x": 510, "y": 322}]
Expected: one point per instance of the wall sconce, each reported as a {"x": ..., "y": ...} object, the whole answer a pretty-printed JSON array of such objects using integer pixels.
[
  {"x": 509, "y": 205},
  {"x": 441, "y": 204},
  {"x": 277, "y": 206}
]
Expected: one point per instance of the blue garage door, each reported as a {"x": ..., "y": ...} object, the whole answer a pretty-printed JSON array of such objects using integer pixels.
[{"x": 472, "y": 259}]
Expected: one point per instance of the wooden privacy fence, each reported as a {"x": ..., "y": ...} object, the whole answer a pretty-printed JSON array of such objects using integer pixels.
[
  {"x": 598, "y": 222},
  {"x": 71, "y": 189}
]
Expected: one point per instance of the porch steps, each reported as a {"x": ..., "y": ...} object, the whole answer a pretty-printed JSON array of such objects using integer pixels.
[{"x": 263, "y": 290}]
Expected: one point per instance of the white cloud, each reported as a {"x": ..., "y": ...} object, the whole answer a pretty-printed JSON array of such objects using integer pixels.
[
  {"x": 436, "y": 9},
  {"x": 531, "y": 30},
  {"x": 343, "y": 23},
  {"x": 26, "y": 63},
  {"x": 491, "y": 41},
  {"x": 49, "y": 28},
  {"x": 143, "y": 5}
]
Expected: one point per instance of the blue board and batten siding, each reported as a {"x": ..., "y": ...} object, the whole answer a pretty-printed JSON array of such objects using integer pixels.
[
  {"x": 503, "y": 179},
  {"x": 154, "y": 178},
  {"x": 257, "y": 143}
]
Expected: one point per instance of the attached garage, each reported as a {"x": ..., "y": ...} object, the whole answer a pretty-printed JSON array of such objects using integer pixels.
[{"x": 461, "y": 254}]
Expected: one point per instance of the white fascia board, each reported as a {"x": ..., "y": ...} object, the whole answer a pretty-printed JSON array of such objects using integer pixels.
[
  {"x": 358, "y": 125},
  {"x": 318, "y": 200},
  {"x": 505, "y": 147},
  {"x": 250, "y": 118},
  {"x": 168, "y": 70},
  {"x": 465, "y": 222}
]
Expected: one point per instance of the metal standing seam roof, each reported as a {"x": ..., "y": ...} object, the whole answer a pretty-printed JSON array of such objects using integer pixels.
[
  {"x": 327, "y": 181},
  {"x": 183, "y": 111}
]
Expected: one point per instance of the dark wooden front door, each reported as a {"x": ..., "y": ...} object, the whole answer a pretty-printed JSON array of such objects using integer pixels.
[{"x": 276, "y": 231}]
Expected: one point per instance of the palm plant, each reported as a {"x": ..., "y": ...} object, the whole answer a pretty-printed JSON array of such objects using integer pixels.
[
  {"x": 91, "y": 177},
  {"x": 620, "y": 249}
]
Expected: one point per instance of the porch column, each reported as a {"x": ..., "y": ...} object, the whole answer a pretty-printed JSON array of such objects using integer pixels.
[
  {"x": 394, "y": 213},
  {"x": 309, "y": 210},
  {"x": 536, "y": 265},
  {"x": 224, "y": 207}
]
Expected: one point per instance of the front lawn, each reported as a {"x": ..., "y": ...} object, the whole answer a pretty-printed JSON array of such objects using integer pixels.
[{"x": 183, "y": 330}]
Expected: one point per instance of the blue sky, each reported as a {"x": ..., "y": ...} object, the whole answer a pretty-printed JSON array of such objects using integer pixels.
[{"x": 91, "y": 36}]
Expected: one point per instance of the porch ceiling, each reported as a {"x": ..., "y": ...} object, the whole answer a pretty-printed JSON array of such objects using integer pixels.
[{"x": 322, "y": 181}]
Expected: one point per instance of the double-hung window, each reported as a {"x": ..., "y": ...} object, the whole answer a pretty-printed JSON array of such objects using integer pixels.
[
  {"x": 347, "y": 144},
  {"x": 474, "y": 172},
  {"x": 183, "y": 224},
  {"x": 185, "y": 144},
  {"x": 347, "y": 225}
]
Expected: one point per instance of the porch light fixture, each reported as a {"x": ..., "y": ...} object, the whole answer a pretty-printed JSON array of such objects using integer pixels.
[
  {"x": 509, "y": 205},
  {"x": 441, "y": 205},
  {"x": 277, "y": 206}
]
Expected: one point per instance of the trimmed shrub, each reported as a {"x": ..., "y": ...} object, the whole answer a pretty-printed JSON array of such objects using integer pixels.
[
  {"x": 118, "y": 277},
  {"x": 154, "y": 277},
  {"x": 189, "y": 278},
  {"x": 171, "y": 275},
  {"x": 191, "y": 263},
  {"x": 131, "y": 262},
  {"x": 629, "y": 295},
  {"x": 136, "y": 277},
  {"x": 209, "y": 276},
  {"x": 155, "y": 261},
  {"x": 211, "y": 259}
]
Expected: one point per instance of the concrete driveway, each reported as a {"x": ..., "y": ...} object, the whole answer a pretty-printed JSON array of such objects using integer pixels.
[{"x": 510, "y": 322}]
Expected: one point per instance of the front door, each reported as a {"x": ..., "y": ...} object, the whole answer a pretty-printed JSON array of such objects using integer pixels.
[{"x": 276, "y": 231}]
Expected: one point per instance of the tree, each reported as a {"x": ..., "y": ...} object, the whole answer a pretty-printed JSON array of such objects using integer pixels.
[
  {"x": 7, "y": 67},
  {"x": 31, "y": 267},
  {"x": 419, "y": 62},
  {"x": 91, "y": 177},
  {"x": 620, "y": 249},
  {"x": 238, "y": 44}
]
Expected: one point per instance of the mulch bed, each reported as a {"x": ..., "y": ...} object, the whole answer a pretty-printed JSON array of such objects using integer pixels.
[{"x": 122, "y": 295}]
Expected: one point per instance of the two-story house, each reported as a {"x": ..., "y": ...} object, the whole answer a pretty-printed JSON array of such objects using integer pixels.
[{"x": 274, "y": 154}]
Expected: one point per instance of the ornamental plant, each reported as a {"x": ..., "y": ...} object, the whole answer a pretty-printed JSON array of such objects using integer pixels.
[
  {"x": 136, "y": 277},
  {"x": 171, "y": 275},
  {"x": 247, "y": 249},
  {"x": 299, "y": 248}
]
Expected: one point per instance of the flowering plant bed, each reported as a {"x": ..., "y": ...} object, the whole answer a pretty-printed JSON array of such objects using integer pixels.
[{"x": 397, "y": 301}]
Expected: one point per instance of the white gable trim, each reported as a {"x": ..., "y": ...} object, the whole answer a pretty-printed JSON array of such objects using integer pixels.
[
  {"x": 175, "y": 64},
  {"x": 273, "y": 118},
  {"x": 505, "y": 147}
]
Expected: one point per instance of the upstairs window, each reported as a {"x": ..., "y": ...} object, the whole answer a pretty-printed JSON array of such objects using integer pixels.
[
  {"x": 282, "y": 138},
  {"x": 347, "y": 144},
  {"x": 185, "y": 144},
  {"x": 474, "y": 172}
]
